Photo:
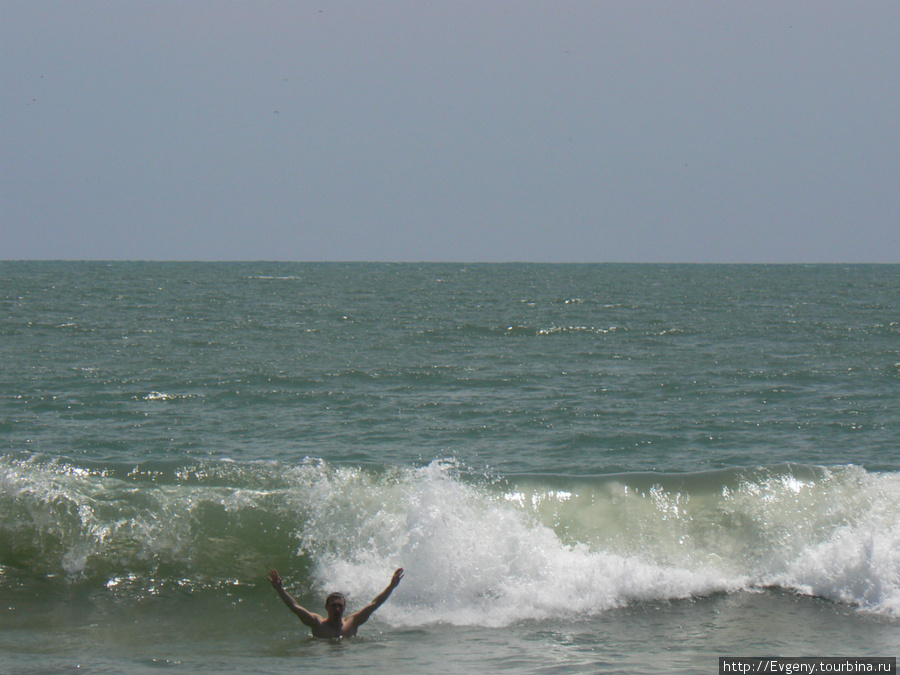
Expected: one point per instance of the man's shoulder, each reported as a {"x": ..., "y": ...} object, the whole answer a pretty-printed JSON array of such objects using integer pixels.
[{"x": 349, "y": 628}]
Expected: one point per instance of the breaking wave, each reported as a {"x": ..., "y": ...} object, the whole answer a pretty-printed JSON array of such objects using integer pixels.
[{"x": 478, "y": 549}]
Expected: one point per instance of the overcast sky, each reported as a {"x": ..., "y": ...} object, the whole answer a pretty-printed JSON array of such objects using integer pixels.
[{"x": 666, "y": 131}]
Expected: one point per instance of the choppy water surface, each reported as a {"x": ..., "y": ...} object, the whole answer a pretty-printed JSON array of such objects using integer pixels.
[{"x": 582, "y": 468}]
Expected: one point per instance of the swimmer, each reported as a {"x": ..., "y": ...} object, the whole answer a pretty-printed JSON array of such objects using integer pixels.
[{"x": 335, "y": 625}]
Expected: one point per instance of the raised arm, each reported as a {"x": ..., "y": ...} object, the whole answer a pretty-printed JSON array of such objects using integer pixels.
[
  {"x": 363, "y": 615},
  {"x": 307, "y": 617}
]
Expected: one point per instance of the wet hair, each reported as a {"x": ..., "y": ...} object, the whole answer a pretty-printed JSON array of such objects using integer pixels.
[{"x": 335, "y": 596}]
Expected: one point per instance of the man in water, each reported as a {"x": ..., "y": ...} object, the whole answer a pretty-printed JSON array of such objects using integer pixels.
[{"x": 335, "y": 626}]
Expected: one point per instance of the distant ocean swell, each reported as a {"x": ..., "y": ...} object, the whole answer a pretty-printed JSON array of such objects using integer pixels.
[{"x": 479, "y": 550}]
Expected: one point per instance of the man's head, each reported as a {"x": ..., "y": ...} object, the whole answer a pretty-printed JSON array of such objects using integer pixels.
[{"x": 336, "y": 603}]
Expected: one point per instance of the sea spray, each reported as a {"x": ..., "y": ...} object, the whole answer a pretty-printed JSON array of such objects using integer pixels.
[{"x": 475, "y": 557}]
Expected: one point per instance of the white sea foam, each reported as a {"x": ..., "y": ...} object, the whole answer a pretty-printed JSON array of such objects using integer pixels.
[
  {"x": 857, "y": 562},
  {"x": 482, "y": 556}
]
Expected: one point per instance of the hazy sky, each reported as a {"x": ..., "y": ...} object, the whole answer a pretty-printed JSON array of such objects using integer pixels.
[{"x": 400, "y": 130}]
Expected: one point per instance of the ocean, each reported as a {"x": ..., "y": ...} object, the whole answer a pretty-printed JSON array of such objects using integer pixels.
[{"x": 582, "y": 468}]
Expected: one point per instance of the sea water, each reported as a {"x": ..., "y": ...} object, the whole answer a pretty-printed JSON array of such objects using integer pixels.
[{"x": 582, "y": 468}]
